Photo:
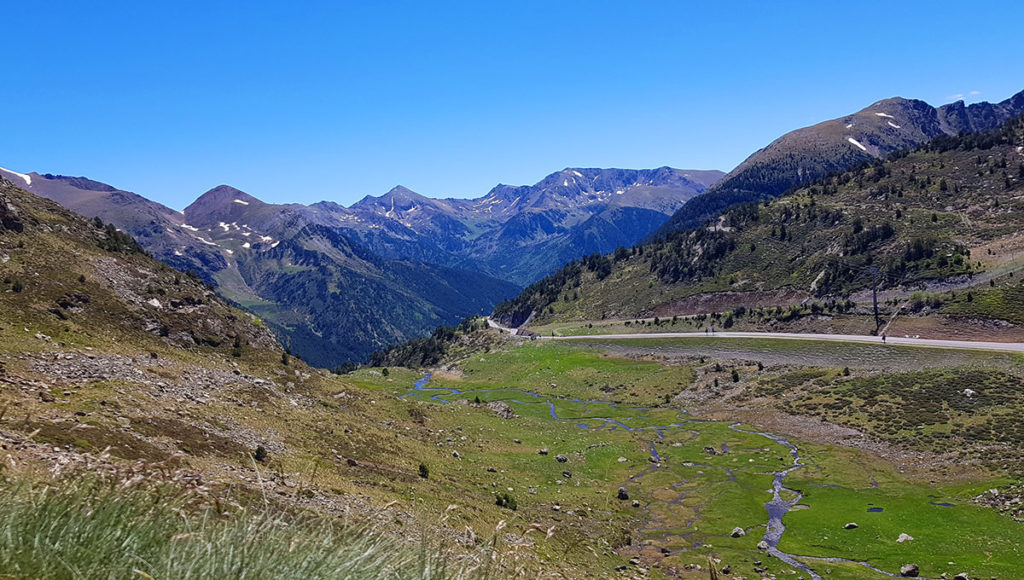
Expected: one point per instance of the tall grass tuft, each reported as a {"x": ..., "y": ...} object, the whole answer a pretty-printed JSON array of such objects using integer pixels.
[{"x": 88, "y": 528}]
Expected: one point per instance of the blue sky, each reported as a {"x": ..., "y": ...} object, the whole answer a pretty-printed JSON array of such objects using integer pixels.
[{"x": 337, "y": 100}]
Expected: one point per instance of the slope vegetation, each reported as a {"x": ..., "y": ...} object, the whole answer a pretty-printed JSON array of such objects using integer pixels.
[{"x": 805, "y": 155}]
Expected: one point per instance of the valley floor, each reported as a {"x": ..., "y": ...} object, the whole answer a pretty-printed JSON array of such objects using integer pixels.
[{"x": 613, "y": 457}]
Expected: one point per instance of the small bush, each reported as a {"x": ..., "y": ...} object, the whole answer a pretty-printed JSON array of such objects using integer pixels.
[
  {"x": 424, "y": 471},
  {"x": 506, "y": 501}
]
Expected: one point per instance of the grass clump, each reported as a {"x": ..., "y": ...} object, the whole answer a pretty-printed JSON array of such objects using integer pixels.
[{"x": 88, "y": 528}]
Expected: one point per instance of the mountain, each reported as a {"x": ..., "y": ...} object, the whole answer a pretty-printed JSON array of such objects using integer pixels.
[
  {"x": 329, "y": 299},
  {"x": 944, "y": 217},
  {"x": 805, "y": 155},
  {"x": 338, "y": 283},
  {"x": 520, "y": 233},
  {"x": 65, "y": 277}
]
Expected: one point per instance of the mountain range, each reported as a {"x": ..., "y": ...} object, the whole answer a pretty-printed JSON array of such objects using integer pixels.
[
  {"x": 935, "y": 230},
  {"x": 338, "y": 283}
]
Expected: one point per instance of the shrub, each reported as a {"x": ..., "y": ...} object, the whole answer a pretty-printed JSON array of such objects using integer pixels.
[
  {"x": 506, "y": 501},
  {"x": 424, "y": 471}
]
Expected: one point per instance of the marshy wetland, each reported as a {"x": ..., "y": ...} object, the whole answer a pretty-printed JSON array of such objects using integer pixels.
[{"x": 650, "y": 416}]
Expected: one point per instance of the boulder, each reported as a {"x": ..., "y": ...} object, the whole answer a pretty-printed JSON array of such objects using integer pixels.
[
  {"x": 851, "y": 526},
  {"x": 909, "y": 570},
  {"x": 762, "y": 545},
  {"x": 561, "y": 458},
  {"x": 543, "y": 451},
  {"x": 623, "y": 493},
  {"x": 738, "y": 532},
  {"x": 10, "y": 216},
  {"x": 904, "y": 538},
  {"x": 502, "y": 409}
]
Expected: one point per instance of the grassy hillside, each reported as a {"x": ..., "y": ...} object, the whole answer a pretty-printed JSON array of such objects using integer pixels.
[{"x": 941, "y": 213}]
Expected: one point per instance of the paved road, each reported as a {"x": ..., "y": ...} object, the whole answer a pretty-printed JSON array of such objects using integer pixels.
[
  {"x": 925, "y": 342},
  {"x": 961, "y": 344}
]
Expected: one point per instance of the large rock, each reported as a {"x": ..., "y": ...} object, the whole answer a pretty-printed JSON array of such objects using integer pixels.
[
  {"x": 623, "y": 493},
  {"x": 502, "y": 409},
  {"x": 10, "y": 217},
  {"x": 851, "y": 526},
  {"x": 738, "y": 532},
  {"x": 909, "y": 570},
  {"x": 904, "y": 538}
]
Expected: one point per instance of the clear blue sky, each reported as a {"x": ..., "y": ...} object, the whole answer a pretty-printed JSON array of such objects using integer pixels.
[{"x": 302, "y": 101}]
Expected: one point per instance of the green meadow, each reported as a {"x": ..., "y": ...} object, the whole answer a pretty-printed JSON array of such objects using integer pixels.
[{"x": 691, "y": 481}]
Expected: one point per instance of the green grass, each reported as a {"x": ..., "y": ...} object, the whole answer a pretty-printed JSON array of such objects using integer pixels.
[
  {"x": 85, "y": 528},
  {"x": 698, "y": 497},
  {"x": 810, "y": 353}
]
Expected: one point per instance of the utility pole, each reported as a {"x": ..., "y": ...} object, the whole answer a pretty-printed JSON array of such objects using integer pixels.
[{"x": 874, "y": 297}]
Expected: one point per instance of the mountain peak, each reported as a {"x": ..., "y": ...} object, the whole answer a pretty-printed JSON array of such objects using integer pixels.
[{"x": 219, "y": 203}]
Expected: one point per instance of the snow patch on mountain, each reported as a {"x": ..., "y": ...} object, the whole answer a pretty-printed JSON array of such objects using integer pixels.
[
  {"x": 857, "y": 143},
  {"x": 27, "y": 178}
]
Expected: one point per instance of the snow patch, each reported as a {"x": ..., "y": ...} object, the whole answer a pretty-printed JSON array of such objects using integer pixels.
[
  {"x": 178, "y": 253},
  {"x": 188, "y": 227},
  {"x": 266, "y": 239},
  {"x": 230, "y": 252},
  {"x": 246, "y": 245},
  {"x": 207, "y": 242},
  {"x": 884, "y": 115},
  {"x": 849, "y": 125},
  {"x": 857, "y": 143},
  {"x": 154, "y": 303},
  {"x": 274, "y": 245},
  {"x": 247, "y": 234},
  {"x": 227, "y": 228},
  {"x": 565, "y": 183},
  {"x": 894, "y": 125},
  {"x": 27, "y": 178},
  {"x": 241, "y": 202},
  {"x": 577, "y": 173}
]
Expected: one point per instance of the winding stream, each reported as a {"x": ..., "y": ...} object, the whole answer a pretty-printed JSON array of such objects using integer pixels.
[{"x": 777, "y": 507}]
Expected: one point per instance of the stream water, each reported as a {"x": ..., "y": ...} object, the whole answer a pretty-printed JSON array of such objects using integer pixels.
[{"x": 777, "y": 507}]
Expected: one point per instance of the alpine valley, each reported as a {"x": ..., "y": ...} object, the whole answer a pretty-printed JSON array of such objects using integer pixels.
[
  {"x": 809, "y": 368},
  {"x": 338, "y": 283}
]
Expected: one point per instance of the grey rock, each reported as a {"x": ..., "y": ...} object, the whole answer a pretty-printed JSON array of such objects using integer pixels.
[{"x": 909, "y": 570}]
